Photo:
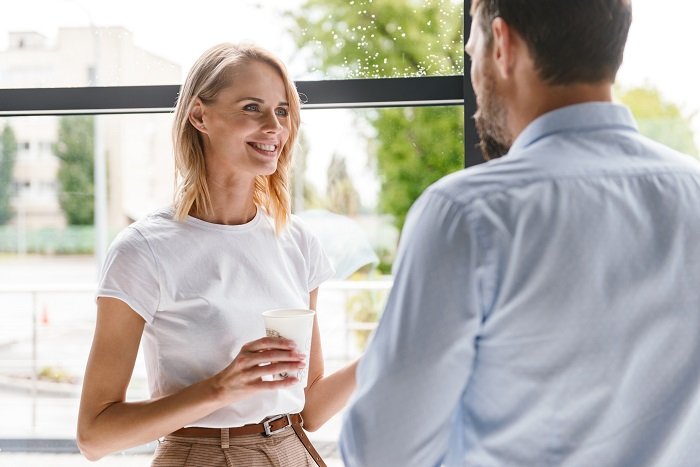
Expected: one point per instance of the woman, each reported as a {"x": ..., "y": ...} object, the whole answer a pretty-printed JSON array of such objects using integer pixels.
[{"x": 194, "y": 279}]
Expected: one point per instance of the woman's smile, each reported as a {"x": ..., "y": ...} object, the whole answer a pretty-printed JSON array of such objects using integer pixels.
[{"x": 266, "y": 149}]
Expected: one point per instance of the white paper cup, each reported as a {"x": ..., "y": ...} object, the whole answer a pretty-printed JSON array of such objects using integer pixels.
[{"x": 296, "y": 325}]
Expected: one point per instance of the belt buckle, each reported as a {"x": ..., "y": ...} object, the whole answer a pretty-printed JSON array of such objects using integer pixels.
[{"x": 268, "y": 429}]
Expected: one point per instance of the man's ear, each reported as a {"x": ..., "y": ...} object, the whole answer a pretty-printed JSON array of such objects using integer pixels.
[
  {"x": 503, "y": 47},
  {"x": 196, "y": 116}
]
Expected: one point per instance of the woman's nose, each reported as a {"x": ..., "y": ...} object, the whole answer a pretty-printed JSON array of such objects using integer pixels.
[{"x": 272, "y": 123}]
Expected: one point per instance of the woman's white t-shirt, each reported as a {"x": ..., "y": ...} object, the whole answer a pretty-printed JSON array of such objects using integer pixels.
[{"x": 201, "y": 288}]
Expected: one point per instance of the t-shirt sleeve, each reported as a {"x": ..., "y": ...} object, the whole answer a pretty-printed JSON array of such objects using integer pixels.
[
  {"x": 320, "y": 268},
  {"x": 130, "y": 274}
]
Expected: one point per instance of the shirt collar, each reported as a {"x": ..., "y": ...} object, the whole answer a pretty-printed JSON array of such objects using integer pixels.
[{"x": 590, "y": 115}]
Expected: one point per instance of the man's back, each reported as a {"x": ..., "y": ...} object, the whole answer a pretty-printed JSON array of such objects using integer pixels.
[
  {"x": 580, "y": 302},
  {"x": 590, "y": 338}
]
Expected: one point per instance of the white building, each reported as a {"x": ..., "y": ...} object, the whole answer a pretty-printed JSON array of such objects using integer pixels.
[{"x": 137, "y": 147}]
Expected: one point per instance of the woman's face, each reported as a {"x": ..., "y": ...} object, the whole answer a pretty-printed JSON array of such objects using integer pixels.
[{"x": 247, "y": 125}]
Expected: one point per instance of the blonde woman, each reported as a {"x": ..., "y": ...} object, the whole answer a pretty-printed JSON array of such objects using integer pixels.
[{"x": 192, "y": 280}]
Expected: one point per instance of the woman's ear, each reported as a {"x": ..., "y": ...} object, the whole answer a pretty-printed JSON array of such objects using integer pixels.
[{"x": 196, "y": 116}]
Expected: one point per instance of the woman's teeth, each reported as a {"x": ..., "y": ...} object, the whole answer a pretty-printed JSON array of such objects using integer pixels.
[{"x": 265, "y": 147}]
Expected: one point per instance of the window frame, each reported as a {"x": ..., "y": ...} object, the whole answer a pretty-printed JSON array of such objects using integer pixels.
[{"x": 324, "y": 94}]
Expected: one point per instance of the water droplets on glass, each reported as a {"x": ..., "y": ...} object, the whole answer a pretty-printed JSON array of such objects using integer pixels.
[{"x": 387, "y": 39}]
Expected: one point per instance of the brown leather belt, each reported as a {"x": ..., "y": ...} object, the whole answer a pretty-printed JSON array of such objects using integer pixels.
[{"x": 268, "y": 427}]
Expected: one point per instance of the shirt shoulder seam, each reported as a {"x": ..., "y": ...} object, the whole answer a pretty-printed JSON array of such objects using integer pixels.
[{"x": 156, "y": 263}]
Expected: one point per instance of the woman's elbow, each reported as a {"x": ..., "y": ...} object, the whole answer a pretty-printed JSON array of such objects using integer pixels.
[
  {"x": 310, "y": 424},
  {"x": 311, "y": 428},
  {"x": 88, "y": 446}
]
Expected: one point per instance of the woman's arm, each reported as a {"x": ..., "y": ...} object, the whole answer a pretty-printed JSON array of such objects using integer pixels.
[
  {"x": 106, "y": 423},
  {"x": 325, "y": 395}
]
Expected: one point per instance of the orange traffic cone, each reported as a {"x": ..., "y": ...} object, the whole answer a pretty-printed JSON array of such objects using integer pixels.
[{"x": 45, "y": 316}]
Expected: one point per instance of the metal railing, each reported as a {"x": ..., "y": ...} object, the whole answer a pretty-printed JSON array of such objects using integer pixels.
[{"x": 333, "y": 293}]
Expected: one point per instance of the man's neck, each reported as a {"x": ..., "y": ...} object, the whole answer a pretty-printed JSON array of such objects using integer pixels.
[{"x": 544, "y": 98}]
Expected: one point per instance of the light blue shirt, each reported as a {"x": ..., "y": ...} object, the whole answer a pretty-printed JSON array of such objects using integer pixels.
[{"x": 545, "y": 310}]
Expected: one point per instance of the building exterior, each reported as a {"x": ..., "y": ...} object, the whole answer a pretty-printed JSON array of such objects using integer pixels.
[{"x": 137, "y": 147}]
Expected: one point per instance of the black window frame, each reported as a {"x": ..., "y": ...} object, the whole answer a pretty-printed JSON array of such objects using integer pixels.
[{"x": 325, "y": 94}]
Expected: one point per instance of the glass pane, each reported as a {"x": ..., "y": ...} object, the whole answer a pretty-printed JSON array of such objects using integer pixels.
[
  {"x": 100, "y": 42},
  {"x": 661, "y": 90},
  {"x": 356, "y": 172},
  {"x": 361, "y": 171},
  {"x": 380, "y": 39}
]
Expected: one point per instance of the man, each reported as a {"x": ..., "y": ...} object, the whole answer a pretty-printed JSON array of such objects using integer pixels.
[{"x": 546, "y": 304}]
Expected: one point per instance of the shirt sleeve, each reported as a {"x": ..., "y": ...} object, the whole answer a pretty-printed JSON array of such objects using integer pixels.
[
  {"x": 414, "y": 372},
  {"x": 320, "y": 268},
  {"x": 130, "y": 274}
]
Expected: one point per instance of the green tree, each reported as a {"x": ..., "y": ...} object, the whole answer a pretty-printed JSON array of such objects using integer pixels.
[
  {"x": 76, "y": 170},
  {"x": 303, "y": 193},
  {"x": 8, "y": 153},
  {"x": 417, "y": 147},
  {"x": 391, "y": 38},
  {"x": 342, "y": 196},
  {"x": 660, "y": 119}
]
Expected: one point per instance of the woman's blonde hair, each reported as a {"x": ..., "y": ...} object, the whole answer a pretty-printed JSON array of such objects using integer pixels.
[{"x": 209, "y": 75}]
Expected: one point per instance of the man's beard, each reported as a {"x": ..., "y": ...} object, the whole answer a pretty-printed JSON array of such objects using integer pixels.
[{"x": 490, "y": 118}]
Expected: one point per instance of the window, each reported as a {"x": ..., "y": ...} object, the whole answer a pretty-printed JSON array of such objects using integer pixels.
[
  {"x": 80, "y": 41},
  {"x": 662, "y": 93},
  {"x": 342, "y": 168}
]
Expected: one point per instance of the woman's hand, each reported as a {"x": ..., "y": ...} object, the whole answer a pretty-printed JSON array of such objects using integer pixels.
[
  {"x": 107, "y": 423},
  {"x": 262, "y": 357}
]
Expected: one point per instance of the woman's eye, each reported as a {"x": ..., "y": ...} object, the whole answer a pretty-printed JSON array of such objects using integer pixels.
[
  {"x": 282, "y": 112},
  {"x": 251, "y": 107}
]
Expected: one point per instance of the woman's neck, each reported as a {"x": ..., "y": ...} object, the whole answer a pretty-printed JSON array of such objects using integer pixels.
[{"x": 231, "y": 202}]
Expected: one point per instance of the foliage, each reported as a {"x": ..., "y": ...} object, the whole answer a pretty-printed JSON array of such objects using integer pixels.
[
  {"x": 417, "y": 147},
  {"x": 364, "y": 308},
  {"x": 303, "y": 194},
  {"x": 660, "y": 119},
  {"x": 76, "y": 171},
  {"x": 386, "y": 260},
  {"x": 379, "y": 39},
  {"x": 8, "y": 154},
  {"x": 56, "y": 374},
  {"x": 389, "y": 38},
  {"x": 342, "y": 196},
  {"x": 70, "y": 240}
]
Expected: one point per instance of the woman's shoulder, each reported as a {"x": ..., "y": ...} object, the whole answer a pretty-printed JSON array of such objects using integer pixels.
[
  {"x": 295, "y": 226},
  {"x": 298, "y": 227},
  {"x": 144, "y": 230},
  {"x": 158, "y": 220}
]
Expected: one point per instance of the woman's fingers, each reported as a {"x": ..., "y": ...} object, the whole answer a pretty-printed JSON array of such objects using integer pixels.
[
  {"x": 276, "y": 384},
  {"x": 260, "y": 358},
  {"x": 251, "y": 359},
  {"x": 270, "y": 362},
  {"x": 267, "y": 343},
  {"x": 275, "y": 368},
  {"x": 269, "y": 351}
]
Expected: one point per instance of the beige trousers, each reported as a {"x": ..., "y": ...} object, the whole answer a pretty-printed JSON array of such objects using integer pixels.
[{"x": 282, "y": 449}]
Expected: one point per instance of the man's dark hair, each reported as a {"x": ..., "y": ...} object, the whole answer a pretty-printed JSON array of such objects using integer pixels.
[{"x": 571, "y": 41}]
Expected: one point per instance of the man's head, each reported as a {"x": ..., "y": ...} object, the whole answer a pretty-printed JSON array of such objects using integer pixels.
[{"x": 577, "y": 42}]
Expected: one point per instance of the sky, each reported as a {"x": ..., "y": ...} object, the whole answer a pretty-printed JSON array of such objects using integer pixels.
[{"x": 660, "y": 50}]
